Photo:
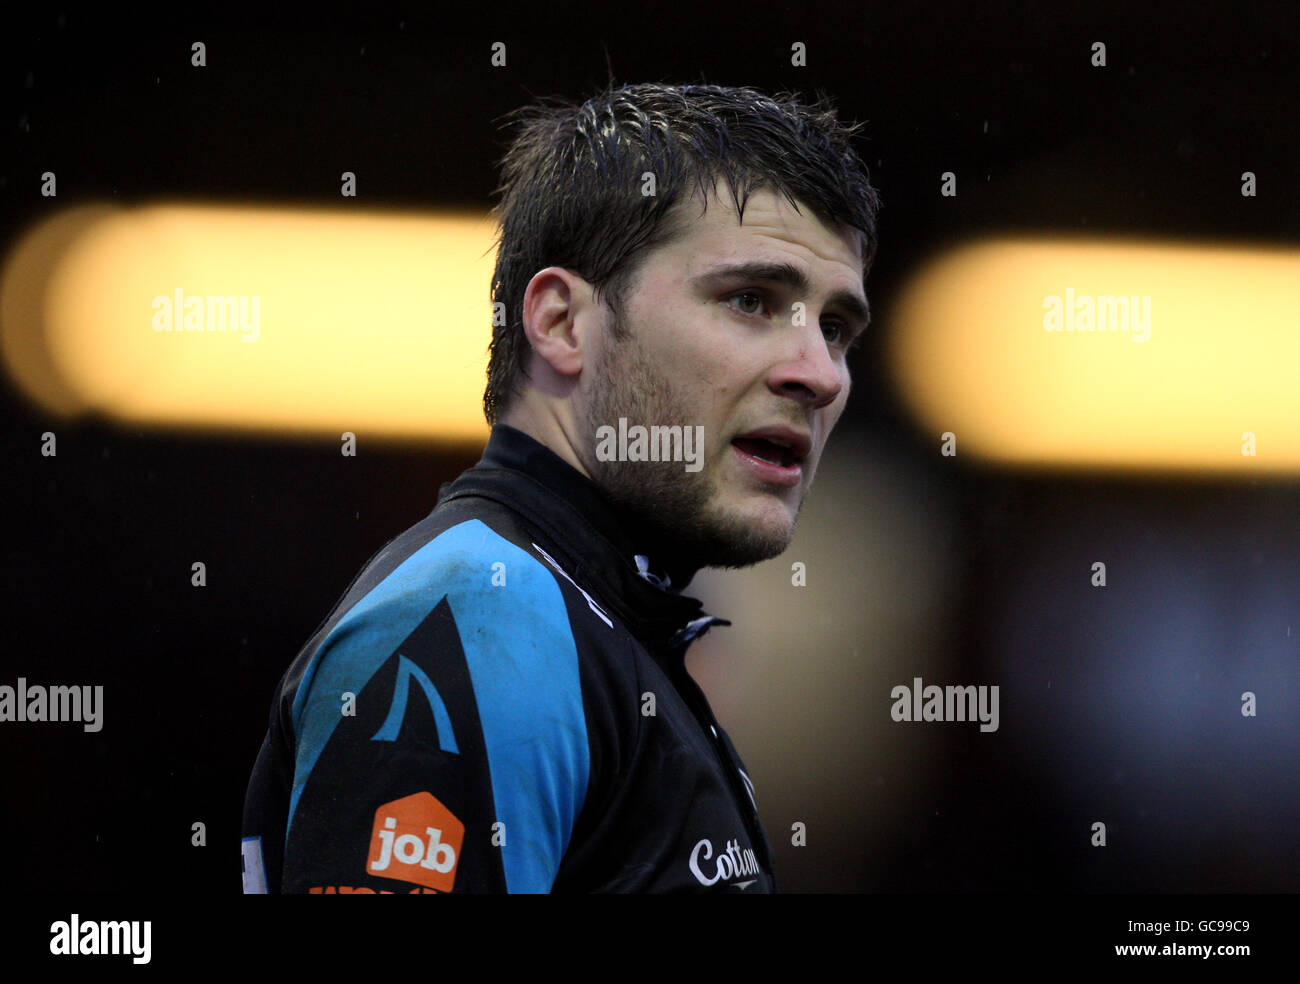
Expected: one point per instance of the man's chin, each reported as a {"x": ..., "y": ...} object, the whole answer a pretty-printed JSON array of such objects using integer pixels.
[
  {"x": 744, "y": 540},
  {"x": 747, "y": 551},
  {"x": 687, "y": 521}
]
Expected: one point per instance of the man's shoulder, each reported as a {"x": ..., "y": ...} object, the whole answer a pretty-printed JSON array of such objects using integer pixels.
[
  {"x": 474, "y": 585},
  {"x": 464, "y": 595},
  {"x": 482, "y": 567},
  {"x": 480, "y": 552}
]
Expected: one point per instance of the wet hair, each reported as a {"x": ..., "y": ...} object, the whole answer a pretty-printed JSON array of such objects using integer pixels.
[{"x": 573, "y": 190}]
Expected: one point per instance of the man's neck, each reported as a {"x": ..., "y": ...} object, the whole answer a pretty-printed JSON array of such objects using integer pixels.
[{"x": 548, "y": 432}]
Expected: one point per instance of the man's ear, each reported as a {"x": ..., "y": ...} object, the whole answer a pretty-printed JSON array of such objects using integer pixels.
[{"x": 558, "y": 319}]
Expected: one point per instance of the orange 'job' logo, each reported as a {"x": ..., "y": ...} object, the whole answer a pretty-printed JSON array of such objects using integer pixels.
[{"x": 416, "y": 839}]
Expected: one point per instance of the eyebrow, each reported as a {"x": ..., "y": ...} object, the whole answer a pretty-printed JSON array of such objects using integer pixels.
[{"x": 791, "y": 276}]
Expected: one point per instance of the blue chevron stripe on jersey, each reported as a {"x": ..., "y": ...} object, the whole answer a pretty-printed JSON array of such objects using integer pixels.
[
  {"x": 392, "y": 726},
  {"x": 523, "y": 666}
]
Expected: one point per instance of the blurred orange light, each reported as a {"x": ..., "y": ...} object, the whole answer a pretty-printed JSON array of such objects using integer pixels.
[
  {"x": 1107, "y": 354},
  {"x": 265, "y": 319}
]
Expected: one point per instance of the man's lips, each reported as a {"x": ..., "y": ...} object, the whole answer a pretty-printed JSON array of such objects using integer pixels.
[
  {"x": 778, "y": 444},
  {"x": 774, "y": 455}
]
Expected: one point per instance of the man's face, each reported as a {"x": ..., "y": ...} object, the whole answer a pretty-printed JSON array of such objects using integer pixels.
[{"x": 731, "y": 352}]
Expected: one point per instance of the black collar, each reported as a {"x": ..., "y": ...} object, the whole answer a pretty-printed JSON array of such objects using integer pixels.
[{"x": 595, "y": 542}]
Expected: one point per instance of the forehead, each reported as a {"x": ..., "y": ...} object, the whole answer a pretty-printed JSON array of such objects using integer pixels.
[{"x": 709, "y": 231}]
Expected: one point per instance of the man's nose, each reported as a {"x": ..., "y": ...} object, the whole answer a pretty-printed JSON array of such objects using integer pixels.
[{"x": 809, "y": 373}]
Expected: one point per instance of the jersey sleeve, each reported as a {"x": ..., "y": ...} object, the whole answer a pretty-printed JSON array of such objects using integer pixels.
[{"x": 440, "y": 739}]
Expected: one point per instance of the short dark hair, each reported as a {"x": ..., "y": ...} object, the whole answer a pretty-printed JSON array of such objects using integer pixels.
[{"x": 572, "y": 179}]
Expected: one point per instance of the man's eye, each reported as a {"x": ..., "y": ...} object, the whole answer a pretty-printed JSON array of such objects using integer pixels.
[
  {"x": 838, "y": 328},
  {"x": 748, "y": 294}
]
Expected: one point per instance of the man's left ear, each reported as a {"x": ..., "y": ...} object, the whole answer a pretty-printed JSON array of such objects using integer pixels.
[{"x": 557, "y": 313}]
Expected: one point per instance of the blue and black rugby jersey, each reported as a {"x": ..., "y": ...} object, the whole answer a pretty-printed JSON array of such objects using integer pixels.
[{"x": 499, "y": 704}]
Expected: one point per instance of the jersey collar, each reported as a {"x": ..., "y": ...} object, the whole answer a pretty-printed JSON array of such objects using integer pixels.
[{"x": 596, "y": 543}]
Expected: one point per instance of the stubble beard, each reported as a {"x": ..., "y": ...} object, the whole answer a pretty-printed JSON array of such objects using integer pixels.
[{"x": 678, "y": 510}]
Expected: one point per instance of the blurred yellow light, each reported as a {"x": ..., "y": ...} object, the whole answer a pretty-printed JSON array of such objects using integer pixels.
[
  {"x": 365, "y": 322},
  {"x": 1218, "y": 368}
]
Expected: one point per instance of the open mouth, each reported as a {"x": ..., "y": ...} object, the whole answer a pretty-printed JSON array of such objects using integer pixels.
[{"x": 767, "y": 450}]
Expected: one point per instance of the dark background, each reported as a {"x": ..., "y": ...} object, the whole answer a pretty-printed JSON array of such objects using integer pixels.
[{"x": 98, "y": 541}]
